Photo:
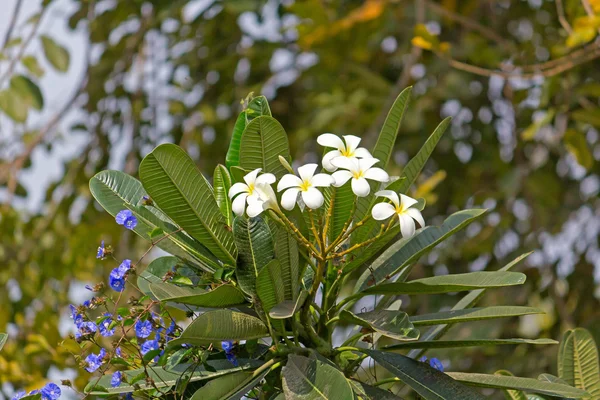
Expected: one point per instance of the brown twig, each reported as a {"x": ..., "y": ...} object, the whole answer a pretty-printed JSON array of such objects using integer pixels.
[
  {"x": 561, "y": 17},
  {"x": 11, "y": 24}
]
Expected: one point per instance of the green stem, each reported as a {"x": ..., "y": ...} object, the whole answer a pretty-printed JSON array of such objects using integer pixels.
[
  {"x": 352, "y": 339},
  {"x": 387, "y": 380}
]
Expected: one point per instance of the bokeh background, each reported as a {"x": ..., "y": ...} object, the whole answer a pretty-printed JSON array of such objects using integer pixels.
[{"x": 89, "y": 85}]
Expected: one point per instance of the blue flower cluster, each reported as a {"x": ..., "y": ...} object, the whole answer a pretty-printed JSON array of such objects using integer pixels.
[
  {"x": 433, "y": 363},
  {"x": 117, "y": 276},
  {"x": 94, "y": 361},
  {"x": 49, "y": 392},
  {"x": 127, "y": 219},
  {"x": 227, "y": 346}
]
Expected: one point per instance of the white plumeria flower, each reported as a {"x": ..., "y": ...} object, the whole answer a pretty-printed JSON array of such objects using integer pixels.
[
  {"x": 248, "y": 193},
  {"x": 266, "y": 199},
  {"x": 306, "y": 184},
  {"x": 359, "y": 171},
  {"x": 349, "y": 149},
  {"x": 402, "y": 209}
]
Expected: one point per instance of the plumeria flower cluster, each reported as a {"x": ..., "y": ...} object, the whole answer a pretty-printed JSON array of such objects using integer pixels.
[{"x": 347, "y": 162}]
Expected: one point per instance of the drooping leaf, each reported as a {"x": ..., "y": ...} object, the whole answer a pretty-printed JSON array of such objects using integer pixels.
[
  {"x": 288, "y": 308},
  {"x": 218, "y": 325},
  {"x": 449, "y": 344},
  {"x": 428, "y": 382},
  {"x": 229, "y": 387},
  {"x": 473, "y": 314},
  {"x": 116, "y": 191},
  {"x": 56, "y": 54},
  {"x": 255, "y": 246},
  {"x": 450, "y": 283},
  {"x": 578, "y": 361},
  {"x": 310, "y": 379},
  {"x": 406, "y": 251},
  {"x": 29, "y": 91},
  {"x": 183, "y": 193},
  {"x": 394, "y": 324},
  {"x": 222, "y": 184},
  {"x": 162, "y": 378},
  {"x": 286, "y": 251},
  {"x": 3, "y": 339},
  {"x": 513, "y": 382},
  {"x": 221, "y": 296},
  {"x": 263, "y": 141}
]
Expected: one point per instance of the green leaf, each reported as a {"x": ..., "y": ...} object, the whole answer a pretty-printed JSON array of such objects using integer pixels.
[
  {"x": 13, "y": 105},
  {"x": 154, "y": 273},
  {"x": 532, "y": 130},
  {"x": 430, "y": 383},
  {"x": 37, "y": 396},
  {"x": 342, "y": 200},
  {"x": 29, "y": 91},
  {"x": 263, "y": 141},
  {"x": 310, "y": 379},
  {"x": 577, "y": 145},
  {"x": 32, "y": 65},
  {"x": 56, "y": 54},
  {"x": 450, "y": 283},
  {"x": 3, "y": 339},
  {"x": 162, "y": 378},
  {"x": 394, "y": 324},
  {"x": 183, "y": 193},
  {"x": 229, "y": 387},
  {"x": 513, "y": 382},
  {"x": 221, "y": 296},
  {"x": 257, "y": 107},
  {"x": 466, "y": 302},
  {"x": 578, "y": 361},
  {"x": 255, "y": 247},
  {"x": 216, "y": 326},
  {"x": 373, "y": 251},
  {"x": 286, "y": 251},
  {"x": 369, "y": 392},
  {"x": 472, "y": 314},
  {"x": 232, "y": 158},
  {"x": 587, "y": 116},
  {"x": 269, "y": 286},
  {"x": 288, "y": 308},
  {"x": 222, "y": 184},
  {"x": 511, "y": 394},
  {"x": 406, "y": 251},
  {"x": 449, "y": 344},
  {"x": 116, "y": 191},
  {"x": 415, "y": 165}
]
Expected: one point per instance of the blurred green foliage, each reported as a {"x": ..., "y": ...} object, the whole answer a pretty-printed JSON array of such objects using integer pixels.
[{"x": 520, "y": 78}]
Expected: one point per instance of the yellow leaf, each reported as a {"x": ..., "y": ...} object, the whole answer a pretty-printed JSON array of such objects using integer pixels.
[
  {"x": 595, "y": 5},
  {"x": 419, "y": 41},
  {"x": 532, "y": 130},
  {"x": 577, "y": 145},
  {"x": 425, "y": 188}
]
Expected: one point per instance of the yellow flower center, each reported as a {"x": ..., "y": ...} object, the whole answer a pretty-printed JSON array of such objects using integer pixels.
[
  {"x": 358, "y": 174},
  {"x": 347, "y": 153},
  {"x": 305, "y": 185},
  {"x": 251, "y": 189}
]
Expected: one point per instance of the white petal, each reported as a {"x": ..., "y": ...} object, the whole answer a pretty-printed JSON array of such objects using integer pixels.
[
  {"x": 366, "y": 163},
  {"x": 360, "y": 187},
  {"x": 377, "y": 174},
  {"x": 341, "y": 177},
  {"x": 416, "y": 215},
  {"x": 322, "y": 180},
  {"x": 313, "y": 198},
  {"x": 288, "y": 181},
  {"x": 383, "y": 211},
  {"x": 389, "y": 194},
  {"x": 264, "y": 192},
  {"x": 407, "y": 201},
  {"x": 266, "y": 178},
  {"x": 407, "y": 225},
  {"x": 237, "y": 188},
  {"x": 239, "y": 204},
  {"x": 351, "y": 164},
  {"x": 250, "y": 177},
  {"x": 288, "y": 200},
  {"x": 330, "y": 140},
  {"x": 255, "y": 208},
  {"x": 352, "y": 143},
  {"x": 361, "y": 152},
  {"x": 327, "y": 160},
  {"x": 307, "y": 171}
]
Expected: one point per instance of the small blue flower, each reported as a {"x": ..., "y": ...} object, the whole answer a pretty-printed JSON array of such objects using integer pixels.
[
  {"x": 232, "y": 359},
  {"x": 94, "y": 361},
  {"x": 127, "y": 219},
  {"x": 144, "y": 329},
  {"x": 77, "y": 318},
  {"x": 51, "y": 391},
  {"x": 101, "y": 253},
  {"x": 116, "y": 379},
  {"x": 437, "y": 364},
  {"x": 149, "y": 345},
  {"x": 104, "y": 326},
  {"x": 34, "y": 392},
  {"x": 227, "y": 345},
  {"x": 171, "y": 328},
  {"x": 86, "y": 328},
  {"x": 118, "y": 352},
  {"x": 19, "y": 394},
  {"x": 129, "y": 396},
  {"x": 88, "y": 303},
  {"x": 117, "y": 284},
  {"x": 423, "y": 359}
]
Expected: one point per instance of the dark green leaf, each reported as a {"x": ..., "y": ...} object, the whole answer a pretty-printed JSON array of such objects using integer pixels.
[
  {"x": 263, "y": 141},
  {"x": 29, "y": 91},
  {"x": 288, "y": 308},
  {"x": 310, "y": 379},
  {"x": 449, "y": 344},
  {"x": 255, "y": 247},
  {"x": 394, "y": 324},
  {"x": 472, "y": 314},
  {"x": 222, "y": 184},
  {"x": 578, "y": 361},
  {"x": 221, "y": 296}
]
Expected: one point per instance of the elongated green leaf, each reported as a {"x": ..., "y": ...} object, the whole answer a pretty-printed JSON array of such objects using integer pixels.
[
  {"x": 263, "y": 141},
  {"x": 13, "y": 105},
  {"x": 369, "y": 392},
  {"x": 232, "y": 159},
  {"x": 56, "y": 54},
  {"x": 255, "y": 246},
  {"x": 511, "y": 394},
  {"x": 219, "y": 325},
  {"x": 3, "y": 339},
  {"x": 408, "y": 250},
  {"x": 373, "y": 251},
  {"x": 221, "y": 296},
  {"x": 311, "y": 379},
  {"x": 394, "y": 324},
  {"x": 222, "y": 184},
  {"x": 29, "y": 91},
  {"x": 286, "y": 251},
  {"x": 229, "y": 387},
  {"x": 342, "y": 200},
  {"x": 154, "y": 273},
  {"x": 449, "y": 344},
  {"x": 257, "y": 107},
  {"x": 162, "y": 378},
  {"x": 426, "y": 381},
  {"x": 466, "y": 302},
  {"x": 116, "y": 191},
  {"x": 181, "y": 191},
  {"x": 451, "y": 283},
  {"x": 578, "y": 362},
  {"x": 415, "y": 165},
  {"x": 472, "y": 314},
  {"x": 288, "y": 308},
  {"x": 269, "y": 286},
  {"x": 513, "y": 382}
]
